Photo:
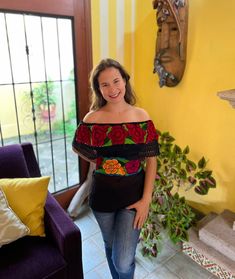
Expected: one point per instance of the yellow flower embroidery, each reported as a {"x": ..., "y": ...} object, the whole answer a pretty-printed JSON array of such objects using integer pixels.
[
  {"x": 113, "y": 167},
  {"x": 121, "y": 171}
]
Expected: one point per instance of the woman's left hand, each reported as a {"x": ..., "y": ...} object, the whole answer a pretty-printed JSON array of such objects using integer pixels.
[{"x": 142, "y": 209}]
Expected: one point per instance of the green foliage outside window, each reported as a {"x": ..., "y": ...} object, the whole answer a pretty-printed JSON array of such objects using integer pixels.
[{"x": 44, "y": 94}]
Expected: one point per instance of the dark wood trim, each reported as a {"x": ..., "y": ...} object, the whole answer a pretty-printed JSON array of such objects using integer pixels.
[
  {"x": 83, "y": 62},
  {"x": 55, "y": 7},
  {"x": 64, "y": 197},
  {"x": 83, "y": 55}
]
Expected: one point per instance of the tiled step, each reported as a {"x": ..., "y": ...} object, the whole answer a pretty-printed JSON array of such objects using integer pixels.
[
  {"x": 204, "y": 221},
  {"x": 219, "y": 234},
  {"x": 208, "y": 257}
]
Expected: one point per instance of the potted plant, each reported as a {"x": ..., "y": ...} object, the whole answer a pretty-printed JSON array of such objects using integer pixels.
[
  {"x": 45, "y": 100},
  {"x": 168, "y": 211}
]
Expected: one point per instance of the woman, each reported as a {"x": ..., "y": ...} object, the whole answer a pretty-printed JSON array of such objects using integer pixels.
[{"x": 120, "y": 138}]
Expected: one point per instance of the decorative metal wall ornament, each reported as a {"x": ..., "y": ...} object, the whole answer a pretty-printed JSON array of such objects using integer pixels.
[{"x": 171, "y": 42}]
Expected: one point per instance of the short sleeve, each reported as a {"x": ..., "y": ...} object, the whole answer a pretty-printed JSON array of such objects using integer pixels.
[
  {"x": 151, "y": 147},
  {"x": 82, "y": 141}
]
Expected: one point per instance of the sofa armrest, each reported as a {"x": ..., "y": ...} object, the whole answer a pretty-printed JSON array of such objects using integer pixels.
[{"x": 66, "y": 236}]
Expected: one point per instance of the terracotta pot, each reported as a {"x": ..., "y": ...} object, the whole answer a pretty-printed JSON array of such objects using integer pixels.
[{"x": 45, "y": 112}]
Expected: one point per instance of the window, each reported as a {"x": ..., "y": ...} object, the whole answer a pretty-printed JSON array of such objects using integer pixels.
[{"x": 37, "y": 91}]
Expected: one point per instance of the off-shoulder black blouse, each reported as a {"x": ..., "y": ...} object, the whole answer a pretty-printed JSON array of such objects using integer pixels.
[{"x": 119, "y": 150}]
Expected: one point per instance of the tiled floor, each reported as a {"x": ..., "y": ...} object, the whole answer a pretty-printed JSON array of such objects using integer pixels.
[{"x": 171, "y": 263}]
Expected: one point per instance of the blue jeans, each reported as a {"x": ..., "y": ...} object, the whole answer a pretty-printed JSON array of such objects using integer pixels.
[{"x": 120, "y": 241}]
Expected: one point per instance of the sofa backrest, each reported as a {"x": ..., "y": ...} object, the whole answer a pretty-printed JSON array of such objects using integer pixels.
[{"x": 18, "y": 160}]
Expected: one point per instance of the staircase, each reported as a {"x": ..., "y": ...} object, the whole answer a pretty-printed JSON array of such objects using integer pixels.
[{"x": 212, "y": 244}]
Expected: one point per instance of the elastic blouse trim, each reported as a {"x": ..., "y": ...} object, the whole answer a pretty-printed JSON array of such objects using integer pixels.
[{"x": 111, "y": 124}]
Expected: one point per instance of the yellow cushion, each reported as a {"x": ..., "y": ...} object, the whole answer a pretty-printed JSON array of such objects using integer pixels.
[
  {"x": 11, "y": 227},
  {"x": 27, "y": 197}
]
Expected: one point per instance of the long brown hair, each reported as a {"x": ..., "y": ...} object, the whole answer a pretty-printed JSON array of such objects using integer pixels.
[{"x": 97, "y": 99}]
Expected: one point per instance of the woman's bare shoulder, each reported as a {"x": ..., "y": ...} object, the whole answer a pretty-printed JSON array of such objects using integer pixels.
[
  {"x": 92, "y": 116},
  {"x": 141, "y": 114}
]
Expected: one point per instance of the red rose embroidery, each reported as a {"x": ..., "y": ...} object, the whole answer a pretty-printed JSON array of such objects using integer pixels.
[
  {"x": 83, "y": 134},
  {"x": 99, "y": 134},
  {"x": 132, "y": 166},
  {"x": 136, "y": 132},
  {"x": 151, "y": 132},
  {"x": 118, "y": 134}
]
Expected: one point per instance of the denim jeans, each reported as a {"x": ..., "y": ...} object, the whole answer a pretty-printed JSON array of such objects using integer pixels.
[{"x": 120, "y": 240}]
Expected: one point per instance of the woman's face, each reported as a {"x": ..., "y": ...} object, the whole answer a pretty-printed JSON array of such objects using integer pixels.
[{"x": 112, "y": 86}]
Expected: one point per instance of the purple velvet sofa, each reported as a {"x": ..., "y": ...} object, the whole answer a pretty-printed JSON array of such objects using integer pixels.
[{"x": 56, "y": 256}]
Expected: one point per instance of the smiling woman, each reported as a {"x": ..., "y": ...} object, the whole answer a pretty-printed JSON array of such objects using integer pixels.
[
  {"x": 120, "y": 139},
  {"x": 112, "y": 85}
]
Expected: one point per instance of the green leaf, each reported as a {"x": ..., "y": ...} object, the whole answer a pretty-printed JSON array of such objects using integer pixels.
[
  {"x": 173, "y": 170},
  {"x": 107, "y": 142},
  {"x": 183, "y": 174},
  {"x": 166, "y": 137},
  {"x": 165, "y": 161},
  {"x": 201, "y": 190},
  {"x": 122, "y": 160},
  {"x": 163, "y": 181},
  {"x": 158, "y": 132},
  {"x": 190, "y": 165},
  {"x": 177, "y": 149},
  {"x": 186, "y": 150},
  {"x": 170, "y": 139},
  {"x": 202, "y": 163},
  {"x": 192, "y": 180},
  {"x": 176, "y": 196},
  {"x": 128, "y": 141},
  {"x": 144, "y": 126},
  {"x": 158, "y": 163},
  {"x": 184, "y": 236},
  {"x": 211, "y": 181},
  {"x": 204, "y": 174}
]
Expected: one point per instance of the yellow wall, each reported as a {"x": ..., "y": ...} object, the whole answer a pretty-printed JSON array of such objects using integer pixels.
[
  {"x": 192, "y": 112},
  {"x": 113, "y": 31}
]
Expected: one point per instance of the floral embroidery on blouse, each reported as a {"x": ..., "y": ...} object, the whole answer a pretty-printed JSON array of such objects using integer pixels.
[
  {"x": 113, "y": 167},
  {"x": 107, "y": 135},
  {"x": 118, "y": 166},
  {"x": 119, "y": 149}
]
